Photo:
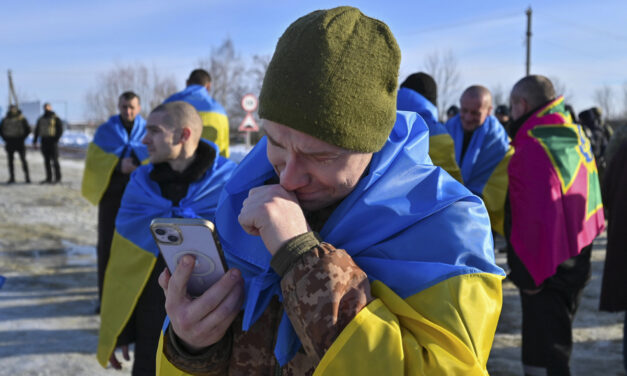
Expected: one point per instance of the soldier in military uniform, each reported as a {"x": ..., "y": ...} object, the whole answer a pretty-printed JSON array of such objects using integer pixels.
[
  {"x": 49, "y": 128},
  {"x": 13, "y": 130}
]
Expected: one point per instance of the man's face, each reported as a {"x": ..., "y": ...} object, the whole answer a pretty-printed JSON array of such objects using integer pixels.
[
  {"x": 162, "y": 141},
  {"x": 129, "y": 109},
  {"x": 518, "y": 107},
  {"x": 320, "y": 174},
  {"x": 473, "y": 112}
]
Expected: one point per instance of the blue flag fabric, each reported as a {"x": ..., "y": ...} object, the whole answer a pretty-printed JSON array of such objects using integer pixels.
[
  {"x": 488, "y": 145},
  {"x": 409, "y": 100},
  {"x": 142, "y": 201},
  {"x": 2, "y": 279},
  {"x": 112, "y": 138},
  {"x": 407, "y": 224},
  {"x": 199, "y": 97}
]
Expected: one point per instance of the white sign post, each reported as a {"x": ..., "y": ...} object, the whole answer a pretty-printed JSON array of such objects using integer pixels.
[{"x": 249, "y": 104}]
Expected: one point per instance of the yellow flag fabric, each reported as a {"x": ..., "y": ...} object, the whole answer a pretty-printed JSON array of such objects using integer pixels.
[
  {"x": 99, "y": 166},
  {"x": 127, "y": 273},
  {"x": 419, "y": 335},
  {"x": 442, "y": 153},
  {"x": 216, "y": 129},
  {"x": 495, "y": 193}
]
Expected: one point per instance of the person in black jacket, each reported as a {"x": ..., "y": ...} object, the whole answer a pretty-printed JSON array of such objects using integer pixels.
[
  {"x": 13, "y": 130},
  {"x": 49, "y": 127}
]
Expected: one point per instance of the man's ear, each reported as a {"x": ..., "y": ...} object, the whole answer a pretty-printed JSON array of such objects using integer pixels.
[
  {"x": 185, "y": 134},
  {"x": 208, "y": 86}
]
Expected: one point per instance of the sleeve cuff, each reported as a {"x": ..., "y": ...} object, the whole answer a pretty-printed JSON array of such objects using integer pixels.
[{"x": 293, "y": 250}]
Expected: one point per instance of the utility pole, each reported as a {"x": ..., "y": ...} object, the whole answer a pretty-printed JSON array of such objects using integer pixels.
[
  {"x": 528, "y": 63},
  {"x": 12, "y": 95}
]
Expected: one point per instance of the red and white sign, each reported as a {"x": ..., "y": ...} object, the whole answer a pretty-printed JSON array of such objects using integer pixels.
[
  {"x": 249, "y": 102},
  {"x": 248, "y": 124}
]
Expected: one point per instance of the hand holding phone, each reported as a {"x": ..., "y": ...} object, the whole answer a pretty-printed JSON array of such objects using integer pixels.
[{"x": 177, "y": 237}]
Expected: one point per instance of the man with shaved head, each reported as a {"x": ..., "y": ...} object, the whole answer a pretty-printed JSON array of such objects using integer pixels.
[
  {"x": 213, "y": 115},
  {"x": 183, "y": 179},
  {"x": 553, "y": 214},
  {"x": 482, "y": 150}
]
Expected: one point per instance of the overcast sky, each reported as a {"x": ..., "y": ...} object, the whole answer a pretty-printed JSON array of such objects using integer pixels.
[{"x": 57, "y": 49}]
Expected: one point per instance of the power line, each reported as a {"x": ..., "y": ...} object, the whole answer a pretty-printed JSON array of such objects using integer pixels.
[
  {"x": 579, "y": 26},
  {"x": 472, "y": 21}
]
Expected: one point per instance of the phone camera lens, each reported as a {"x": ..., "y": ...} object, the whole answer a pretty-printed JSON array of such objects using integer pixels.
[
  {"x": 160, "y": 231},
  {"x": 173, "y": 238}
]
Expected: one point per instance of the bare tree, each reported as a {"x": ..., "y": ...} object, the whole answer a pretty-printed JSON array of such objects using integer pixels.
[
  {"x": 443, "y": 68},
  {"x": 231, "y": 78},
  {"x": 561, "y": 89},
  {"x": 152, "y": 88},
  {"x": 604, "y": 98}
]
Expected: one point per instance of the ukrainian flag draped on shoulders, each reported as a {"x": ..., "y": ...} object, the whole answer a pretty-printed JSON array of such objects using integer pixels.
[
  {"x": 425, "y": 243},
  {"x": 110, "y": 144},
  {"x": 134, "y": 252},
  {"x": 484, "y": 167},
  {"x": 441, "y": 146},
  {"x": 554, "y": 220},
  {"x": 214, "y": 119}
]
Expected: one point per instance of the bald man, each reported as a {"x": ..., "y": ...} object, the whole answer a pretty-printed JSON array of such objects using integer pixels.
[
  {"x": 183, "y": 179},
  {"x": 554, "y": 212},
  {"x": 482, "y": 151}
]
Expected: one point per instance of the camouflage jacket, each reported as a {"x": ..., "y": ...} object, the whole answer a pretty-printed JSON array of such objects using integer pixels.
[{"x": 318, "y": 307}]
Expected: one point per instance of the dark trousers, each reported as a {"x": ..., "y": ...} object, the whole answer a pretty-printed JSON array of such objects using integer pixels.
[
  {"x": 547, "y": 317},
  {"x": 11, "y": 148},
  {"x": 547, "y": 329},
  {"x": 107, "y": 211},
  {"x": 50, "y": 151}
]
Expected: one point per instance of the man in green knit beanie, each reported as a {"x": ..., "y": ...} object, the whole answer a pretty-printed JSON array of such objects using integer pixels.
[{"x": 347, "y": 249}]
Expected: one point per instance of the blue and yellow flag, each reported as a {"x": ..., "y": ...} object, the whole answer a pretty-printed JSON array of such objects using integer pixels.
[
  {"x": 134, "y": 252},
  {"x": 214, "y": 120},
  {"x": 425, "y": 243},
  {"x": 484, "y": 168},
  {"x": 441, "y": 146},
  {"x": 110, "y": 144}
]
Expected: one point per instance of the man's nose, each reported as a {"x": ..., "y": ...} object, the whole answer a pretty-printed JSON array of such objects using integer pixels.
[{"x": 294, "y": 175}]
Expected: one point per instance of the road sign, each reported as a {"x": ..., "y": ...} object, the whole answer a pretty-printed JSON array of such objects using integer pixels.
[
  {"x": 248, "y": 124},
  {"x": 249, "y": 102}
]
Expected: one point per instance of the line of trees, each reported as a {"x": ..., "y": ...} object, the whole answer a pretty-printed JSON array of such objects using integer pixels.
[{"x": 232, "y": 77}]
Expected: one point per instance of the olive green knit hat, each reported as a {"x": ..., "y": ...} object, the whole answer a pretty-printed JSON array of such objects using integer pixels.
[{"x": 333, "y": 76}]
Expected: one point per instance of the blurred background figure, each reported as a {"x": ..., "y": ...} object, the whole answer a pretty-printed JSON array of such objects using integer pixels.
[
  {"x": 482, "y": 151},
  {"x": 419, "y": 93},
  {"x": 49, "y": 128},
  {"x": 451, "y": 112},
  {"x": 502, "y": 113},
  {"x": 13, "y": 129},
  {"x": 599, "y": 134},
  {"x": 115, "y": 152},
  {"x": 613, "y": 292},
  {"x": 214, "y": 119}
]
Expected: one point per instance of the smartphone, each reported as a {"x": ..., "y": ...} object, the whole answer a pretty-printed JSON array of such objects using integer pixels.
[{"x": 177, "y": 237}]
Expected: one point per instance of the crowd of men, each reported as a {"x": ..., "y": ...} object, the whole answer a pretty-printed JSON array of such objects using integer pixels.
[{"x": 359, "y": 232}]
